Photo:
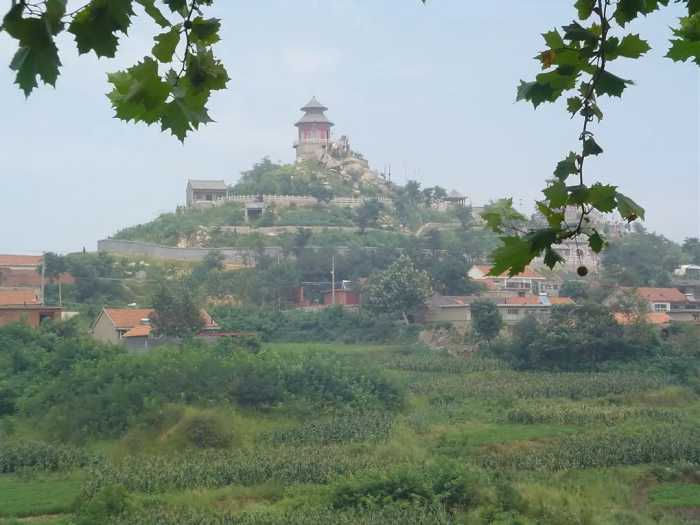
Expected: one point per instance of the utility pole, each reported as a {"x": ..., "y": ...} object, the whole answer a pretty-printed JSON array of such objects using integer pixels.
[
  {"x": 333, "y": 279},
  {"x": 43, "y": 274}
]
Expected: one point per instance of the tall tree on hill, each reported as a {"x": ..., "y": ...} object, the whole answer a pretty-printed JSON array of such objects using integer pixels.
[
  {"x": 486, "y": 320},
  {"x": 367, "y": 214},
  {"x": 398, "y": 291},
  {"x": 176, "y": 311},
  {"x": 691, "y": 249}
]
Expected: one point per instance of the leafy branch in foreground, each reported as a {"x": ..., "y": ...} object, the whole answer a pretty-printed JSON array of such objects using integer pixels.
[
  {"x": 576, "y": 62},
  {"x": 176, "y": 98}
]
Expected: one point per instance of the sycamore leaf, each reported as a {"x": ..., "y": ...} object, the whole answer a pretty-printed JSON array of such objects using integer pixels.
[
  {"x": 512, "y": 256},
  {"x": 602, "y": 197},
  {"x": 177, "y": 6},
  {"x": 556, "y": 194},
  {"x": 204, "y": 72},
  {"x": 633, "y": 47},
  {"x": 585, "y": 8},
  {"x": 609, "y": 84},
  {"x": 536, "y": 93},
  {"x": 554, "y": 218},
  {"x": 682, "y": 50},
  {"x": 566, "y": 167},
  {"x": 152, "y": 10},
  {"x": 596, "y": 242},
  {"x": 55, "y": 10},
  {"x": 553, "y": 39},
  {"x": 542, "y": 239},
  {"x": 577, "y": 33},
  {"x": 139, "y": 93},
  {"x": 628, "y": 10},
  {"x": 574, "y": 105},
  {"x": 629, "y": 210},
  {"x": 37, "y": 55},
  {"x": 95, "y": 27},
  {"x": 693, "y": 7},
  {"x": 166, "y": 44},
  {"x": 205, "y": 31},
  {"x": 591, "y": 147},
  {"x": 552, "y": 257}
]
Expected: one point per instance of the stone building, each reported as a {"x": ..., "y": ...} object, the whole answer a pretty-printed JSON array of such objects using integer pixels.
[
  {"x": 314, "y": 135},
  {"x": 206, "y": 192}
]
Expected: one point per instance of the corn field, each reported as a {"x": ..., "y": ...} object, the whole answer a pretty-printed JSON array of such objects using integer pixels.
[
  {"x": 40, "y": 456},
  {"x": 586, "y": 414},
  {"x": 339, "y": 428}
]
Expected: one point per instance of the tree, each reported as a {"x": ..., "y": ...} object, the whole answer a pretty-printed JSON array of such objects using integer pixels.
[
  {"x": 398, "y": 291},
  {"x": 449, "y": 276},
  {"x": 54, "y": 266},
  {"x": 486, "y": 319},
  {"x": 368, "y": 213},
  {"x": 641, "y": 259},
  {"x": 464, "y": 216},
  {"x": 576, "y": 290},
  {"x": 176, "y": 312},
  {"x": 321, "y": 192},
  {"x": 301, "y": 240},
  {"x": 691, "y": 250}
]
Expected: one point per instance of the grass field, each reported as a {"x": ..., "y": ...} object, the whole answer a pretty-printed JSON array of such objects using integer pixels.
[{"x": 540, "y": 448}]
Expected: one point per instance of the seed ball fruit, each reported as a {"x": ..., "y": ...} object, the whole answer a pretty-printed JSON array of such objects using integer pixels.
[{"x": 582, "y": 271}]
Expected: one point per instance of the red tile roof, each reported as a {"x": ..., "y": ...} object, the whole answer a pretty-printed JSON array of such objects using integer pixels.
[
  {"x": 20, "y": 260},
  {"x": 537, "y": 300},
  {"x": 19, "y": 296},
  {"x": 140, "y": 330},
  {"x": 527, "y": 273},
  {"x": 662, "y": 295},
  {"x": 561, "y": 300},
  {"x": 127, "y": 317}
]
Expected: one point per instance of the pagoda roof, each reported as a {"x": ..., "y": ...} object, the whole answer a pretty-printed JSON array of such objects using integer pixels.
[
  {"x": 314, "y": 104},
  {"x": 313, "y": 118}
]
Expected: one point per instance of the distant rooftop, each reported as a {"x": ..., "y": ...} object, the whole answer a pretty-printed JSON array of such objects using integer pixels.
[
  {"x": 314, "y": 104},
  {"x": 207, "y": 184},
  {"x": 313, "y": 113}
]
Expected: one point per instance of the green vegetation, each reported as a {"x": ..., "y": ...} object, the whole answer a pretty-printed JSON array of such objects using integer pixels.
[{"x": 332, "y": 433}]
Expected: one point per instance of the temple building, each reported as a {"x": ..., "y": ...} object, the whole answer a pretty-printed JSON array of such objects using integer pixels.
[{"x": 314, "y": 131}]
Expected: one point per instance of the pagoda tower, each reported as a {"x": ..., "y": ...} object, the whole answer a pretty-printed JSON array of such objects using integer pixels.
[{"x": 314, "y": 131}]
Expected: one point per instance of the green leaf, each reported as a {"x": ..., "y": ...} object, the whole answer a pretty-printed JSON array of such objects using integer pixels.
[
  {"x": 542, "y": 239},
  {"x": 553, "y": 39},
  {"x": 591, "y": 147},
  {"x": 628, "y": 10},
  {"x": 629, "y": 210},
  {"x": 204, "y": 72},
  {"x": 55, "y": 11},
  {"x": 139, "y": 93},
  {"x": 585, "y": 8},
  {"x": 205, "y": 31},
  {"x": 693, "y": 7},
  {"x": 682, "y": 50},
  {"x": 37, "y": 55},
  {"x": 602, "y": 197},
  {"x": 512, "y": 256},
  {"x": 609, "y": 84},
  {"x": 552, "y": 257},
  {"x": 566, "y": 167},
  {"x": 536, "y": 93},
  {"x": 596, "y": 242},
  {"x": 156, "y": 14},
  {"x": 574, "y": 104},
  {"x": 577, "y": 33},
  {"x": 633, "y": 47},
  {"x": 167, "y": 44},
  {"x": 554, "y": 218},
  {"x": 177, "y": 6},
  {"x": 556, "y": 194},
  {"x": 579, "y": 194},
  {"x": 95, "y": 27}
]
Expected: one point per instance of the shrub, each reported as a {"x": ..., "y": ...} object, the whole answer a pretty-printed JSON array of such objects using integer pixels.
[
  {"x": 206, "y": 431},
  {"x": 449, "y": 485},
  {"x": 109, "y": 502}
]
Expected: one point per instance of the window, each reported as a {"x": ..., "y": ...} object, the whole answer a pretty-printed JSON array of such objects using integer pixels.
[
  {"x": 513, "y": 311},
  {"x": 661, "y": 307}
]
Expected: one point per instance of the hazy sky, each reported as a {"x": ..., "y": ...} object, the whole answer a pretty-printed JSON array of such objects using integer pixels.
[{"x": 427, "y": 89}]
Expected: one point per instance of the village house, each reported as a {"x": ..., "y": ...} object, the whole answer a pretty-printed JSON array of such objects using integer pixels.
[
  {"x": 680, "y": 307},
  {"x": 206, "y": 192},
  {"x": 456, "y": 310},
  {"x": 527, "y": 282},
  {"x": 132, "y": 326},
  {"x": 24, "y": 305},
  {"x": 25, "y": 271}
]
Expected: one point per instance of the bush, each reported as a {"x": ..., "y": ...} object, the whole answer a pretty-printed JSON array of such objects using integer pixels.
[
  {"x": 206, "y": 431},
  {"x": 449, "y": 485},
  {"x": 109, "y": 502}
]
